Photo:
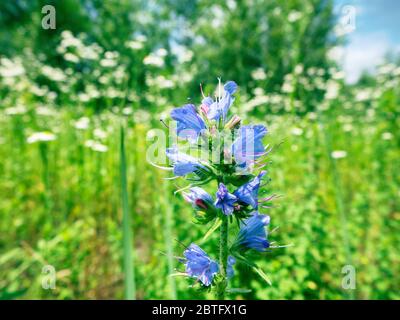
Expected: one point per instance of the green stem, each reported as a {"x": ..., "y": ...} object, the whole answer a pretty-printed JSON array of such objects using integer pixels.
[
  {"x": 168, "y": 242},
  {"x": 223, "y": 259},
  {"x": 130, "y": 287},
  {"x": 46, "y": 182}
]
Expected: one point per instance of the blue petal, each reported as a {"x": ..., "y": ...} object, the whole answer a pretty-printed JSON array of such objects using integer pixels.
[
  {"x": 252, "y": 234},
  {"x": 218, "y": 109},
  {"x": 229, "y": 270},
  {"x": 199, "y": 193},
  {"x": 182, "y": 169},
  {"x": 225, "y": 200},
  {"x": 183, "y": 163},
  {"x": 248, "y": 145},
  {"x": 248, "y": 193},
  {"x": 199, "y": 265},
  {"x": 208, "y": 101},
  {"x": 230, "y": 87},
  {"x": 189, "y": 123}
]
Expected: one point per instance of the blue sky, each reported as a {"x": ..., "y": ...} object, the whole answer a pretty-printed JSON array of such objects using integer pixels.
[{"x": 377, "y": 31}]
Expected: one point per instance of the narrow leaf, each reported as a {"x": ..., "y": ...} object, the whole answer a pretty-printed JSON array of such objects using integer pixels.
[
  {"x": 215, "y": 226},
  {"x": 262, "y": 275}
]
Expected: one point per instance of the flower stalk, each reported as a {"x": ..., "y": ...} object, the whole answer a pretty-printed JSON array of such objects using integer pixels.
[{"x": 223, "y": 259}]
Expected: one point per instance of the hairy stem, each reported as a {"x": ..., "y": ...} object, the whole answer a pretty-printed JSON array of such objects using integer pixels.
[{"x": 223, "y": 258}]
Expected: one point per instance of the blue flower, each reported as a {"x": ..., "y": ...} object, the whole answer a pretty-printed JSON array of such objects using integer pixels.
[
  {"x": 183, "y": 163},
  {"x": 220, "y": 107},
  {"x": 189, "y": 123},
  {"x": 199, "y": 265},
  {"x": 230, "y": 87},
  {"x": 248, "y": 145},
  {"x": 229, "y": 270},
  {"x": 225, "y": 200},
  {"x": 252, "y": 234},
  {"x": 248, "y": 193},
  {"x": 199, "y": 199}
]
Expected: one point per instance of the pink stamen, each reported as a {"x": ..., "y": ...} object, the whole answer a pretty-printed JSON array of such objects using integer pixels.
[{"x": 204, "y": 108}]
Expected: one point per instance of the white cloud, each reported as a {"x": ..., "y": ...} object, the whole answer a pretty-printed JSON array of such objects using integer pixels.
[{"x": 363, "y": 53}]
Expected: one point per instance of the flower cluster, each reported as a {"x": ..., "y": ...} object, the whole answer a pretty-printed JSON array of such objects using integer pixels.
[{"x": 227, "y": 153}]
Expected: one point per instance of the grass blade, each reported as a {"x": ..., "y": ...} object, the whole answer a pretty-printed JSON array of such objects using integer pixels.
[{"x": 130, "y": 288}]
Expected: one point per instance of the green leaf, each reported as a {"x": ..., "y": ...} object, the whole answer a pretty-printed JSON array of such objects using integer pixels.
[
  {"x": 254, "y": 267},
  {"x": 262, "y": 275},
  {"x": 215, "y": 226},
  {"x": 238, "y": 290},
  {"x": 178, "y": 274}
]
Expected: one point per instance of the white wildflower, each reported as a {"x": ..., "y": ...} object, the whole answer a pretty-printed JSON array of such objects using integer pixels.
[
  {"x": 15, "y": 110},
  {"x": 142, "y": 116},
  {"x": 312, "y": 115},
  {"x": 294, "y": 16},
  {"x": 161, "y": 52},
  {"x": 298, "y": 69},
  {"x": 336, "y": 53},
  {"x": 134, "y": 45},
  {"x": 82, "y": 123},
  {"x": 363, "y": 95},
  {"x": 96, "y": 146},
  {"x": 338, "y": 75},
  {"x": 54, "y": 74},
  {"x": 287, "y": 87},
  {"x": 10, "y": 69},
  {"x": 108, "y": 63},
  {"x": 387, "y": 136},
  {"x": 43, "y": 136},
  {"x": 141, "y": 38},
  {"x": 297, "y": 131},
  {"x": 277, "y": 11},
  {"x": 84, "y": 97},
  {"x": 259, "y": 74},
  {"x": 44, "y": 111},
  {"x": 127, "y": 111},
  {"x": 255, "y": 102},
  {"x": 259, "y": 91},
  {"x": 99, "y": 133},
  {"x": 71, "y": 57},
  {"x": 332, "y": 90},
  {"x": 39, "y": 91},
  {"x": 339, "y": 154},
  {"x": 153, "y": 60},
  {"x": 348, "y": 127}
]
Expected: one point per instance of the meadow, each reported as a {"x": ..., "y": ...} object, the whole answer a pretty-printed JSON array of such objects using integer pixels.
[
  {"x": 65, "y": 205},
  {"x": 336, "y": 171}
]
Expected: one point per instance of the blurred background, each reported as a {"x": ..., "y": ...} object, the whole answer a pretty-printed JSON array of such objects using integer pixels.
[{"x": 322, "y": 75}]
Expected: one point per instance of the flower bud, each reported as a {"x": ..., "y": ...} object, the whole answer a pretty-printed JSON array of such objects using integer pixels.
[
  {"x": 202, "y": 202},
  {"x": 233, "y": 123}
]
